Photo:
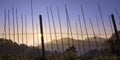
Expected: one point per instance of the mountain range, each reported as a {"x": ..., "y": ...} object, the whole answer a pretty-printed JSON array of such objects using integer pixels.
[
  {"x": 82, "y": 46},
  {"x": 87, "y": 46},
  {"x": 8, "y": 47}
]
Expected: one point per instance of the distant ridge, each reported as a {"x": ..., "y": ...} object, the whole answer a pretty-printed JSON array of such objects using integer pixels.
[
  {"x": 76, "y": 44},
  {"x": 8, "y": 47}
]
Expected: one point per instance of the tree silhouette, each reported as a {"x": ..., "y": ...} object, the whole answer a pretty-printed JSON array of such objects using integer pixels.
[
  {"x": 70, "y": 53},
  {"x": 113, "y": 44}
]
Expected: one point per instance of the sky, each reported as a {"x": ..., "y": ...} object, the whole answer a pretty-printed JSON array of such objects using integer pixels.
[{"x": 90, "y": 8}]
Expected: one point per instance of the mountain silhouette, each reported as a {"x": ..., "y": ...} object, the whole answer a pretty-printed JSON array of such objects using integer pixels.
[
  {"x": 8, "y": 47},
  {"x": 77, "y": 44}
]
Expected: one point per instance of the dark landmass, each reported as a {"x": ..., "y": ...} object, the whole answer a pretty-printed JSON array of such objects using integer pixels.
[{"x": 104, "y": 47}]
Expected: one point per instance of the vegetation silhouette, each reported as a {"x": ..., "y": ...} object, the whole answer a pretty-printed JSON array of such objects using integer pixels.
[
  {"x": 10, "y": 50},
  {"x": 112, "y": 44}
]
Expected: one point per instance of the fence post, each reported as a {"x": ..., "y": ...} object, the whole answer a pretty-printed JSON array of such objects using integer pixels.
[
  {"x": 42, "y": 37},
  {"x": 117, "y": 35}
]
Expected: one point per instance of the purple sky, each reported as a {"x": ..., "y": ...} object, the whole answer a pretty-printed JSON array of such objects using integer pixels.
[{"x": 74, "y": 9}]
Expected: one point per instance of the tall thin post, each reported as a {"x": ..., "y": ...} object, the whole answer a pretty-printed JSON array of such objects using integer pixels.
[
  {"x": 102, "y": 20},
  {"x": 54, "y": 29},
  {"x": 9, "y": 22},
  {"x": 68, "y": 33},
  {"x": 5, "y": 23},
  {"x": 26, "y": 29},
  {"x": 22, "y": 27},
  {"x": 13, "y": 24},
  {"x": 117, "y": 35},
  {"x": 81, "y": 31},
  {"x": 60, "y": 27},
  {"x": 4, "y": 29},
  {"x": 42, "y": 38},
  {"x": 67, "y": 27},
  {"x": 32, "y": 22},
  {"x": 85, "y": 27},
  {"x": 69, "y": 24},
  {"x": 50, "y": 30},
  {"x": 8, "y": 16},
  {"x": 17, "y": 25},
  {"x": 26, "y": 33}
]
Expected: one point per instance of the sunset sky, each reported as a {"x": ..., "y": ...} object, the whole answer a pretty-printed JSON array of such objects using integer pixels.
[{"x": 90, "y": 8}]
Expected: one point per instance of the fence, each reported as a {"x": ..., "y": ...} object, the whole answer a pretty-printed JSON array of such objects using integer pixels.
[{"x": 77, "y": 44}]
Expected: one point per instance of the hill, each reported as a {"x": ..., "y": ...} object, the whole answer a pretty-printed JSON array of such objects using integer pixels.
[
  {"x": 8, "y": 47},
  {"x": 82, "y": 46}
]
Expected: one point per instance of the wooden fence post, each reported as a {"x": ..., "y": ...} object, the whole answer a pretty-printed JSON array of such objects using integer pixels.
[
  {"x": 42, "y": 38},
  {"x": 117, "y": 36}
]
